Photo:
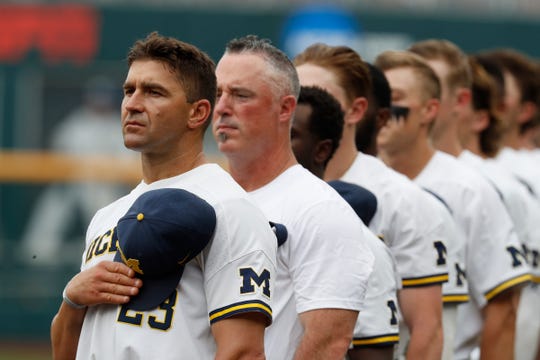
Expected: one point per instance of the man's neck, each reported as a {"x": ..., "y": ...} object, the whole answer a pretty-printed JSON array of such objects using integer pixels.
[
  {"x": 526, "y": 141},
  {"x": 157, "y": 167},
  {"x": 410, "y": 162},
  {"x": 511, "y": 138},
  {"x": 448, "y": 143},
  {"x": 253, "y": 173},
  {"x": 474, "y": 146},
  {"x": 343, "y": 158}
]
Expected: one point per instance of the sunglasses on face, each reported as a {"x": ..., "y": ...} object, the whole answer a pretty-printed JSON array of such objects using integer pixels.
[{"x": 399, "y": 112}]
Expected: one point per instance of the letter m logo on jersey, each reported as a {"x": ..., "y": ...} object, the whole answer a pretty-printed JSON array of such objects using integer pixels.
[
  {"x": 518, "y": 257},
  {"x": 250, "y": 279}
]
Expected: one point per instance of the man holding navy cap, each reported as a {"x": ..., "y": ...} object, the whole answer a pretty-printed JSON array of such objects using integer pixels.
[{"x": 183, "y": 266}]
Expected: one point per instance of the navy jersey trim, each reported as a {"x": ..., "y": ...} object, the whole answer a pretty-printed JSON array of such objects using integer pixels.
[
  {"x": 376, "y": 341},
  {"x": 239, "y": 308},
  {"x": 455, "y": 298},
  {"x": 506, "y": 285},
  {"x": 425, "y": 280}
]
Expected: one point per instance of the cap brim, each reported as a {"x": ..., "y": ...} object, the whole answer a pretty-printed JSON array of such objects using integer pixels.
[{"x": 154, "y": 290}]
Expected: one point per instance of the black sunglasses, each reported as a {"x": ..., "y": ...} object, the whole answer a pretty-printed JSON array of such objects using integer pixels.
[{"x": 399, "y": 112}]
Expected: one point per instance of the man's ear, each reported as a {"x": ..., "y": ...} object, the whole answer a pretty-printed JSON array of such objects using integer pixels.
[
  {"x": 526, "y": 111},
  {"x": 431, "y": 110},
  {"x": 199, "y": 113},
  {"x": 356, "y": 111},
  {"x": 480, "y": 121},
  {"x": 322, "y": 151},
  {"x": 382, "y": 117},
  {"x": 463, "y": 96},
  {"x": 288, "y": 106}
]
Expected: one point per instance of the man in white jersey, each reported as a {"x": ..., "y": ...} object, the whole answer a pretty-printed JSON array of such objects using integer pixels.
[
  {"x": 404, "y": 218},
  {"x": 404, "y": 145},
  {"x": 316, "y": 131},
  {"x": 455, "y": 290},
  {"x": 222, "y": 304},
  {"x": 324, "y": 266},
  {"x": 480, "y": 135},
  {"x": 521, "y": 104}
]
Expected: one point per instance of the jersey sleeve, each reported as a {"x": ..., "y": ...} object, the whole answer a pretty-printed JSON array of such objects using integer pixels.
[
  {"x": 329, "y": 262},
  {"x": 378, "y": 322},
  {"x": 451, "y": 249},
  {"x": 411, "y": 228},
  {"x": 239, "y": 266},
  {"x": 493, "y": 265}
]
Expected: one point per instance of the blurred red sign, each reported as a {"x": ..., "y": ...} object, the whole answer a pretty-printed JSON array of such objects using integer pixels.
[{"x": 59, "y": 32}]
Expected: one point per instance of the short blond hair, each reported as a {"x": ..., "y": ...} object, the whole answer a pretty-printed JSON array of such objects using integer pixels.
[
  {"x": 459, "y": 71},
  {"x": 430, "y": 83}
]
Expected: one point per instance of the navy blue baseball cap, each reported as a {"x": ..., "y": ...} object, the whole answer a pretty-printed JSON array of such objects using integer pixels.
[
  {"x": 363, "y": 202},
  {"x": 159, "y": 234},
  {"x": 280, "y": 231}
]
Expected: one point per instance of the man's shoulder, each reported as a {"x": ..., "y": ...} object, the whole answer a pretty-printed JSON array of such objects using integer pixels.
[
  {"x": 210, "y": 182},
  {"x": 447, "y": 169}
]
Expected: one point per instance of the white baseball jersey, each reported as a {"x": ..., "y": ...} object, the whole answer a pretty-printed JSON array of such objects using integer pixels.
[
  {"x": 373, "y": 328},
  {"x": 525, "y": 213},
  {"x": 455, "y": 291},
  {"x": 378, "y": 321},
  {"x": 323, "y": 264},
  {"x": 523, "y": 209},
  {"x": 404, "y": 221},
  {"x": 234, "y": 273},
  {"x": 523, "y": 166},
  {"x": 479, "y": 212},
  {"x": 528, "y": 323},
  {"x": 535, "y": 155}
]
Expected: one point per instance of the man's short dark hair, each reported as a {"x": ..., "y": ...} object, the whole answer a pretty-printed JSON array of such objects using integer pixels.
[
  {"x": 194, "y": 68},
  {"x": 382, "y": 95},
  {"x": 326, "y": 119}
]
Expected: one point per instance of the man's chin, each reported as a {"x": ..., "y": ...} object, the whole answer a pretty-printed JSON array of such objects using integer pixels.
[
  {"x": 227, "y": 147},
  {"x": 133, "y": 145}
]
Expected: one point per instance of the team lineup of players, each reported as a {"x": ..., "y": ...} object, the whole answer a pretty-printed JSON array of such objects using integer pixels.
[{"x": 369, "y": 211}]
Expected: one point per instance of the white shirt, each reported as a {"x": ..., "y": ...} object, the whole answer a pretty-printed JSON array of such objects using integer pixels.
[
  {"x": 524, "y": 166},
  {"x": 522, "y": 207},
  {"x": 404, "y": 220},
  {"x": 480, "y": 213},
  {"x": 323, "y": 264},
  {"x": 525, "y": 213},
  {"x": 210, "y": 287}
]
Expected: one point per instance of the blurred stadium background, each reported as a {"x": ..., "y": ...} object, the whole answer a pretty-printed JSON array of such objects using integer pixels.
[{"x": 49, "y": 50}]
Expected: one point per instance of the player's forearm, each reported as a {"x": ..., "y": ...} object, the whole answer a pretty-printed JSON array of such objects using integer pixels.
[
  {"x": 498, "y": 331},
  {"x": 497, "y": 345},
  {"x": 327, "y": 334},
  {"x": 374, "y": 353},
  {"x": 422, "y": 313},
  {"x": 426, "y": 342},
  {"x": 318, "y": 347},
  {"x": 240, "y": 337},
  {"x": 65, "y": 331}
]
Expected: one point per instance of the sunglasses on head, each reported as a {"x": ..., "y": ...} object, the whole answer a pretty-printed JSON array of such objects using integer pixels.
[{"x": 399, "y": 112}]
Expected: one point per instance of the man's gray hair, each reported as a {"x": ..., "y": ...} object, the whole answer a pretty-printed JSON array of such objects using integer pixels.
[{"x": 252, "y": 44}]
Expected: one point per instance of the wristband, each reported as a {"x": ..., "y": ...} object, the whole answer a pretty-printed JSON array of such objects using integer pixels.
[{"x": 71, "y": 303}]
